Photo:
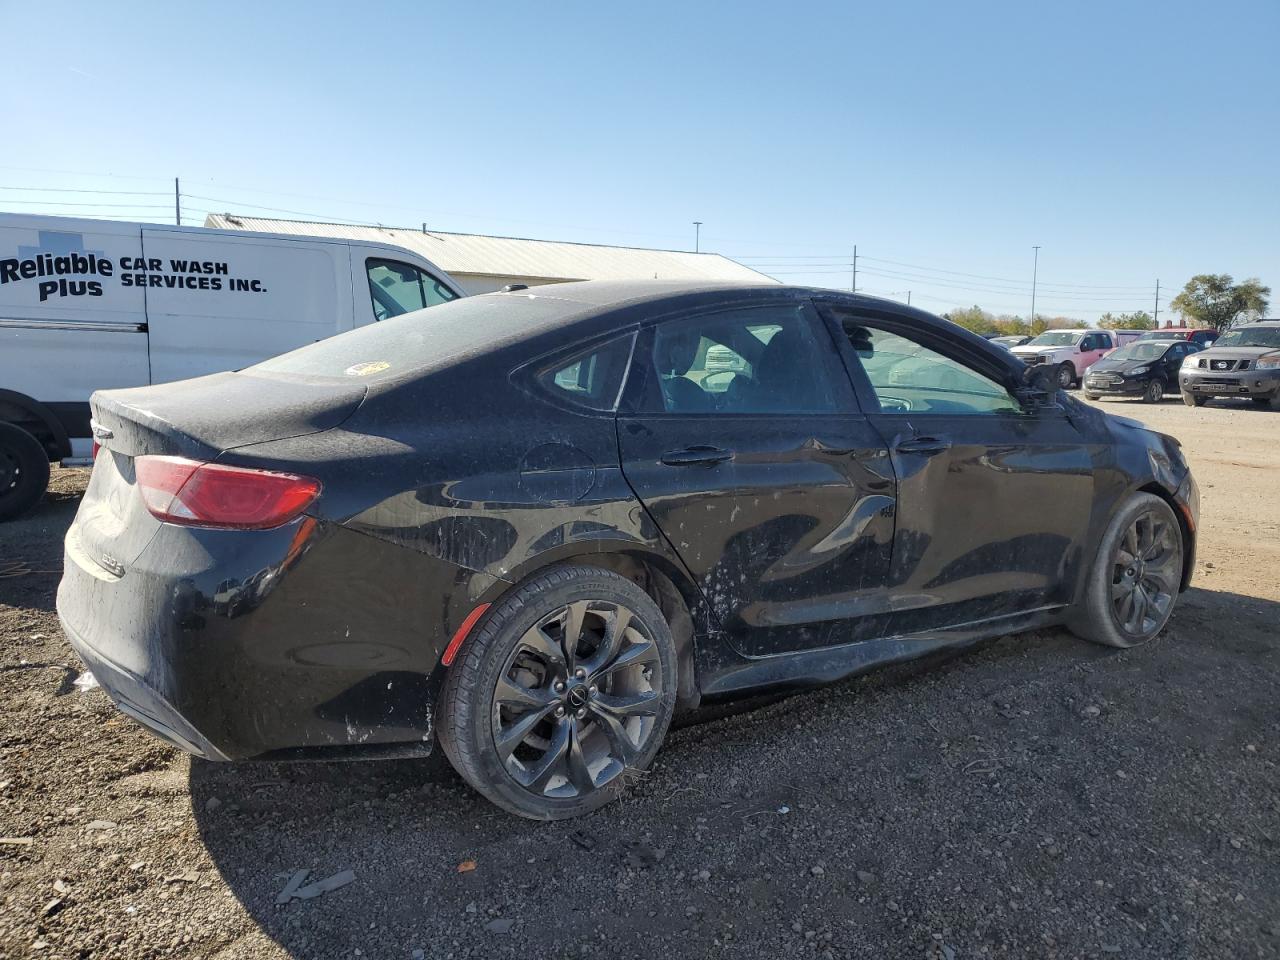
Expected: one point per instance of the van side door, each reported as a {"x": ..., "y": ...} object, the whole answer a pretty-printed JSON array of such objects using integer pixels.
[{"x": 224, "y": 300}]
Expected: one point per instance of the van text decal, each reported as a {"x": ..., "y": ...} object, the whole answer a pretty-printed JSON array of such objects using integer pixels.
[{"x": 72, "y": 271}]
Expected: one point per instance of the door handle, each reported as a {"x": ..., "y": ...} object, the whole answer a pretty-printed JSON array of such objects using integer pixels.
[
  {"x": 924, "y": 445},
  {"x": 696, "y": 455}
]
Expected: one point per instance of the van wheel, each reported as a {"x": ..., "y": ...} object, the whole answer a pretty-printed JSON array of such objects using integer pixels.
[
  {"x": 1154, "y": 392},
  {"x": 1193, "y": 400},
  {"x": 24, "y": 471},
  {"x": 1066, "y": 376},
  {"x": 562, "y": 695},
  {"x": 1136, "y": 575}
]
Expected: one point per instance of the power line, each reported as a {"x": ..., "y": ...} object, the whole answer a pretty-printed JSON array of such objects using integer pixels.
[
  {"x": 57, "y": 203},
  {"x": 103, "y": 193}
]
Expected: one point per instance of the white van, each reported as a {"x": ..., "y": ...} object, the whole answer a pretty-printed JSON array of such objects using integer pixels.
[{"x": 89, "y": 305}]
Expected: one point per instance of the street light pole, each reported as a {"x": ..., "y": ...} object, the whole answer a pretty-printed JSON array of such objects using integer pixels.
[
  {"x": 697, "y": 236},
  {"x": 1035, "y": 269}
]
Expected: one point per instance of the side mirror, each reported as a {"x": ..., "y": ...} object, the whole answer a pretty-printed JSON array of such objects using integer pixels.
[{"x": 1039, "y": 388}]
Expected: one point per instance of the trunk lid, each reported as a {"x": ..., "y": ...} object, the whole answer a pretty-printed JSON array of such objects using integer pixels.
[{"x": 200, "y": 419}]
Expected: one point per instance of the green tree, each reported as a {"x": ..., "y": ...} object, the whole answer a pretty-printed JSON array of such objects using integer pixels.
[
  {"x": 1138, "y": 320},
  {"x": 972, "y": 318},
  {"x": 1214, "y": 300}
]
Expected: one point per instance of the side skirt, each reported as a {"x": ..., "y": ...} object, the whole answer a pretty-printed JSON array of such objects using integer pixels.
[{"x": 724, "y": 675}]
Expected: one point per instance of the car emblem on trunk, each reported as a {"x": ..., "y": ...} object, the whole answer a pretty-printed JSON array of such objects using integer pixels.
[{"x": 111, "y": 564}]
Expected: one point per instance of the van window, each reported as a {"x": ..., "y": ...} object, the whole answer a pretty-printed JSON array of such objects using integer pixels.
[{"x": 398, "y": 288}]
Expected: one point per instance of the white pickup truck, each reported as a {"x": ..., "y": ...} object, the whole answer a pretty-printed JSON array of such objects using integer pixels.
[
  {"x": 1072, "y": 352},
  {"x": 88, "y": 305}
]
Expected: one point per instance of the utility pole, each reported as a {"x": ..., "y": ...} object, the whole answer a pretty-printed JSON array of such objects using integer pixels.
[
  {"x": 1156, "y": 318},
  {"x": 177, "y": 203},
  {"x": 697, "y": 236},
  {"x": 853, "y": 283},
  {"x": 1035, "y": 269},
  {"x": 908, "y": 298}
]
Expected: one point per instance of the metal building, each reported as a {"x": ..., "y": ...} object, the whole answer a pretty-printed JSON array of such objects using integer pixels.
[{"x": 481, "y": 264}]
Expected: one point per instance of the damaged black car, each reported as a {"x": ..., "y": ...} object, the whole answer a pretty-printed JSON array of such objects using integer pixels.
[{"x": 531, "y": 526}]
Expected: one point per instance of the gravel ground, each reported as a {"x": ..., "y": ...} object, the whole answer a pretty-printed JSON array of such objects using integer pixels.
[{"x": 1034, "y": 797}]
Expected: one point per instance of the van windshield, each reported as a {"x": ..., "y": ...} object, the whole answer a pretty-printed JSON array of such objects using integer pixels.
[{"x": 425, "y": 340}]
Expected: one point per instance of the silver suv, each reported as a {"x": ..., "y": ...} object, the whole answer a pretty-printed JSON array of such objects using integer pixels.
[{"x": 1244, "y": 362}]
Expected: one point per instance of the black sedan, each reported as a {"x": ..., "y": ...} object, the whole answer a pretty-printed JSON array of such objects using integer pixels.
[
  {"x": 530, "y": 526},
  {"x": 1144, "y": 368}
]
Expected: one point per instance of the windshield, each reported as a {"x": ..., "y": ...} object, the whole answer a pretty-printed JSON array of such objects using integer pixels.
[
  {"x": 1140, "y": 351},
  {"x": 1056, "y": 338},
  {"x": 1251, "y": 337},
  {"x": 1164, "y": 335}
]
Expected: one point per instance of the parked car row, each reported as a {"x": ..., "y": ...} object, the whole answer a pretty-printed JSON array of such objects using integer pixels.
[{"x": 1069, "y": 353}]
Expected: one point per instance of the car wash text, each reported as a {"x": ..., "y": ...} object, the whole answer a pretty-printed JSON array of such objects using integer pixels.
[{"x": 71, "y": 275}]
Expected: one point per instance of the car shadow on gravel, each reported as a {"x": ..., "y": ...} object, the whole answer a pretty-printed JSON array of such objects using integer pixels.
[{"x": 857, "y": 810}]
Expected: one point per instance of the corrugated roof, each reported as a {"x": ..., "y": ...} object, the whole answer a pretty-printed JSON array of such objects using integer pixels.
[{"x": 469, "y": 253}]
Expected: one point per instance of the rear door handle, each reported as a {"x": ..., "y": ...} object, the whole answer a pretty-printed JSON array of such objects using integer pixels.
[
  {"x": 924, "y": 445},
  {"x": 696, "y": 455}
]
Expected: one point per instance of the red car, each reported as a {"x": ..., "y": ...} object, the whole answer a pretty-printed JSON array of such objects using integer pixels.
[{"x": 1202, "y": 335}]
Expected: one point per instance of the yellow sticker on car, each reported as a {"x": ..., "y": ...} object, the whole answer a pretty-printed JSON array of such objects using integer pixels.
[{"x": 366, "y": 368}]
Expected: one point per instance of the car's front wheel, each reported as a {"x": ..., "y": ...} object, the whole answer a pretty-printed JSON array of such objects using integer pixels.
[
  {"x": 1193, "y": 400},
  {"x": 1134, "y": 583},
  {"x": 562, "y": 694},
  {"x": 1066, "y": 376},
  {"x": 1154, "y": 393}
]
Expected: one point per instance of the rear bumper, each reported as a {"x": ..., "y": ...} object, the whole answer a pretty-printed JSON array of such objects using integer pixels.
[
  {"x": 139, "y": 701},
  {"x": 307, "y": 640},
  {"x": 1230, "y": 383}
]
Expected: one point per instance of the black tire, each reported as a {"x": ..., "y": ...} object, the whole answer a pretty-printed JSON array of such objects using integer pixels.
[
  {"x": 1093, "y": 396},
  {"x": 1193, "y": 400},
  {"x": 24, "y": 471},
  {"x": 1261, "y": 401},
  {"x": 579, "y": 727},
  {"x": 1066, "y": 376},
  {"x": 1133, "y": 585},
  {"x": 1154, "y": 392}
]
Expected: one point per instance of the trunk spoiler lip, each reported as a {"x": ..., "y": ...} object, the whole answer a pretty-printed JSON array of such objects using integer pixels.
[{"x": 110, "y": 405}]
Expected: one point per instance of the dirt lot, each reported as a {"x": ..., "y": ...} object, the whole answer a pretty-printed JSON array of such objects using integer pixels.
[{"x": 1037, "y": 797}]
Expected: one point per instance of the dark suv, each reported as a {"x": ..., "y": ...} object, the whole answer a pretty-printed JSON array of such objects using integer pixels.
[{"x": 1244, "y": 362}]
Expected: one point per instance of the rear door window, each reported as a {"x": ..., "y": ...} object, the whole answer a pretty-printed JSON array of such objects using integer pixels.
[
  {"x": 396, "y": 287},
  {"x": 773, "y": 359}
]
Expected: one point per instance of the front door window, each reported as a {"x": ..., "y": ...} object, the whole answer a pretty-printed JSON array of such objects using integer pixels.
[{"x": 397, "y": 288}]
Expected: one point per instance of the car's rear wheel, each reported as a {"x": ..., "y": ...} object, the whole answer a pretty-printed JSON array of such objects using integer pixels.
[
  {"x": 1134, "y": 583},
  {"x": 1066, "y": 376},
  {"x": 562, "y": 694},
  {"x": 1154, "y": 393},
  {"x": 24, "y": 471},
  {"x": 1193, "y": 400}
]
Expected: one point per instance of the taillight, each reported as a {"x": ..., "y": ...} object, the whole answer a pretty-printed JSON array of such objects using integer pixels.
[{"x": 195, "y": 494}]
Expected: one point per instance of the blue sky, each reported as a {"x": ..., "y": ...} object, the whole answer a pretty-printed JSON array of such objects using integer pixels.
[{"x": 1131, "y": 141}]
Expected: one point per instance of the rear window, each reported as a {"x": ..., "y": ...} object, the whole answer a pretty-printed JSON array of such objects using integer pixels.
[{"x": 425, "y": 340}]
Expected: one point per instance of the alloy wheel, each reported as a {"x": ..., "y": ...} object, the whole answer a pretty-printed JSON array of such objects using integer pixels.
[
  {"x": 577, "y": 700},
  {"x": 1155, "y": 391},
  {"x": 1145, "y": 574},
  {"x": 1065, "y": 376}
]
